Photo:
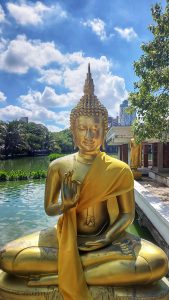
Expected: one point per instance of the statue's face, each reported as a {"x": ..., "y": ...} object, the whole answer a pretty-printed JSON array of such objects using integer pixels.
[{"x": 89, "y": 133}]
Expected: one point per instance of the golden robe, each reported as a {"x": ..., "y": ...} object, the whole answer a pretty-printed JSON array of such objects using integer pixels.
[{"x": 107, "y": 178}]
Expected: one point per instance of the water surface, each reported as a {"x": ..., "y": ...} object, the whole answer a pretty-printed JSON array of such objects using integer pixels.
[{"x": 22, "y": 209}]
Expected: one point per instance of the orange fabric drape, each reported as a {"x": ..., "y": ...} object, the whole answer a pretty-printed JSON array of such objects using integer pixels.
[{"x": 107, "y": 178}]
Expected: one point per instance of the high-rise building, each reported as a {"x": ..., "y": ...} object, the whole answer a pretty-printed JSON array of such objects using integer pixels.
[
  {"x": 24, "y": 119},
  {"x": 113, "y": 121},
  {"x": 125, "y": 118}
]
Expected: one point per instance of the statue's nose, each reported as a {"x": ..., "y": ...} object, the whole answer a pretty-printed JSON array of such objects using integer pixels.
[{"x": 89, "y": 134}]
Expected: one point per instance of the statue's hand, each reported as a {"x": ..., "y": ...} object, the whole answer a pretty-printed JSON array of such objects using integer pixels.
[
  {"x": 99, "y": 243},
  {"x": 70, "y": 192}
]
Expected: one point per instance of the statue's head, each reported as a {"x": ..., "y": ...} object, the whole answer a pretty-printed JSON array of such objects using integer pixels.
[{"x": 89, "y": 119}]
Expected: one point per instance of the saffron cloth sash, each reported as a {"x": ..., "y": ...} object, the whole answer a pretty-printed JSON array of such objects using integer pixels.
[{"x": 107, "y": 178}]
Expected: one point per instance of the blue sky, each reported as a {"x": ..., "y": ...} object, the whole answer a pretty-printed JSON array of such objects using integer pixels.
[{"x": 45, "y": 47}]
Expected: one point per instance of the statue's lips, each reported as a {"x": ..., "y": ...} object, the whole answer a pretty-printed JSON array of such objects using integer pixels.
[{"x": 87, "y": 143}]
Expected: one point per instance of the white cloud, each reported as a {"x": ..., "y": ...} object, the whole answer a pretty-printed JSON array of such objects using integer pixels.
[
  {"x": 3, "y": 44},
  {"x": 2, "y": 15},
  {"x": 128, "y": 34},
  {"x": 48, "y": 98},
  {"x": 98, "y": 27},
  {"x": 53, "y": 128},
  {"x": 12, "y": 112},
  {"x": 51, "y": 76},
  {"x": 35, "y": 114},
  {"x": 110, "y": 89},
  {"x": 2, "y": 97},
  {"x": 27, "y": 13},
  {"x": 21, "y": 54}
]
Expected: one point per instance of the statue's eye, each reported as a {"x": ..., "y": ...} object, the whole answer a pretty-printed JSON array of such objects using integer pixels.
[{"x": 81, "y": 128}]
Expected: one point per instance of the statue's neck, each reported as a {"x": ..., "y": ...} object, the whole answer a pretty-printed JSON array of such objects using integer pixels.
[{"x": 87, "y": 157}]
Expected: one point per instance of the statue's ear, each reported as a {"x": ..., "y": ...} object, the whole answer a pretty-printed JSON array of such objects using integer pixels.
[
  {"x": 103, "y": 141},
  {"x": 74, "y": 140}
]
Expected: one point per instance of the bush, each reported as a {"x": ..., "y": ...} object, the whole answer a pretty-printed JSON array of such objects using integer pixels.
[
  {"x": 12, "y": 175},
  {"x": 54, "y": 156},
  {"x": 38, "y": 174},
  {"x": 21, "y": 175},
  {"x": 3, "y": 175}
]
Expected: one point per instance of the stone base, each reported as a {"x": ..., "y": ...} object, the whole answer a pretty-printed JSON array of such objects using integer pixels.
[{"x": 13, "y": 289}]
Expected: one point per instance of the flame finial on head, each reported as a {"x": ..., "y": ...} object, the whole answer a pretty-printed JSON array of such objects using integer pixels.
[
  {"x": 88, "y": 105},
  {"x": 89, "y": 85}
]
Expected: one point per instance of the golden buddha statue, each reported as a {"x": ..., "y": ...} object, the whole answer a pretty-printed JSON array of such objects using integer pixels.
[
  {"x": 89, "y": 245},
  {"x": 135, "y": 158},
  {"x": 135, "y": 154}
]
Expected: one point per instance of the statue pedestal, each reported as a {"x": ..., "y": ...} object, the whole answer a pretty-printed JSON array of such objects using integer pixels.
[{"x": 12, "y": 288}]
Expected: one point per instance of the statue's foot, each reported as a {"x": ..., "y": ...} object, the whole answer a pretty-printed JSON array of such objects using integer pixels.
[{"x": 50, "y": 280}]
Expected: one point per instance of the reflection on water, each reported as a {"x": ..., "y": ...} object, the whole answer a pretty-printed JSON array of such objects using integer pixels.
[
  {"x": 22, "y": 209},
  {"x": 25, "y": 163}
]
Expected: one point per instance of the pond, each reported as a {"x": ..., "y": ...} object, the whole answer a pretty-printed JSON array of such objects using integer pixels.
[
  {"x": 22, "y": 210},
  {"x": 25, "y": 163}
]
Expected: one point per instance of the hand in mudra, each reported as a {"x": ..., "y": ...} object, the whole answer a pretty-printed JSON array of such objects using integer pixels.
[{"x": 70, "y": 192}]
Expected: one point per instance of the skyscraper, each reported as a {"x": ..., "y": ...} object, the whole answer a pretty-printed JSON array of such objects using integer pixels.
[
  {"x": 113, "y": 121},
  {"x": 125, "y": 118}
]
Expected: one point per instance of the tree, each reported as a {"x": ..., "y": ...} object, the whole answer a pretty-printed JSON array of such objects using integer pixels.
[
  {"x": 62, "y": 141},
  {"x": 16, "y": 138},
  {"x": 37, "y": 135},
  {"x": 150, "y": 98},
  {"x": 3, "y": 133}
]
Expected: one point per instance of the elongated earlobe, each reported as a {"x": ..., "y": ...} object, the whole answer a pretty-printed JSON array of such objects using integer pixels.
[
  {"x": 74, "y": 141},
  {"x": 103, "y": 143}
]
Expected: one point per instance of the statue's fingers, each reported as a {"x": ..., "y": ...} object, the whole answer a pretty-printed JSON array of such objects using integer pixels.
[
  {"x": 69, "y": 179},
  {"x": 65, "y": 178},
  {"x": 95, "y": 243},
  {"x": 76, "y": 199},
  {"x": 74, "y": 187},
  {"x": 71, "y": 173},
  {"x": 78, "y": 186}
]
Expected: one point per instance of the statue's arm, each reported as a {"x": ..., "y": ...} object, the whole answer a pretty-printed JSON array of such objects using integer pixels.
[
  {"x": 126, "y": 215},
  {"x": 52, "y": 190},
  {"x": 124, "y": 219}
]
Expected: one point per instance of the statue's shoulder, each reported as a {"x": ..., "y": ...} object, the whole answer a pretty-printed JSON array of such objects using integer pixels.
[
  {"x": 61, "y": 162},
  {"x": 116, "y": 163}
]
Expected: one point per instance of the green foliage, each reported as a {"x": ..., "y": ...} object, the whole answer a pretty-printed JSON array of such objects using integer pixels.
[
  {"x": 12, "y": 175},
  {"x": 3, "y": 132},
  {"x": 62, "y": 142},
  {"x": 38, "y": 174},
  {"x": 37, "y": 137},
  {"x": 18, "y": 137},
  {"x": 151, "y": 93},
  {"x": 21, "y": 175},
  {"x": 3, "y": 175},
  {"x": 54, "y": 156}
]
